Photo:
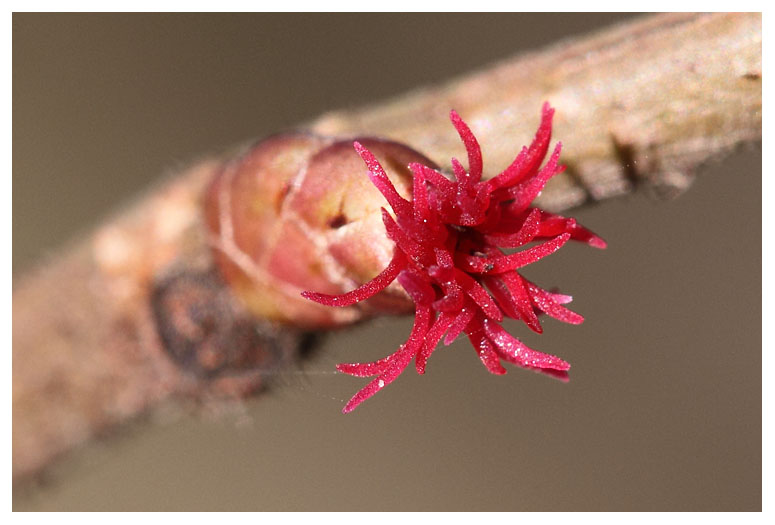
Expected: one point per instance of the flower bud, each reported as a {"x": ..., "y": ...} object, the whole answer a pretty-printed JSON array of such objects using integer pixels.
[{"x": 297, "y": 212}]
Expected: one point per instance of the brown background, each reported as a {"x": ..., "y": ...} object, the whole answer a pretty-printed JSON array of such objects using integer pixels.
[{"x": 663, "y": 411}]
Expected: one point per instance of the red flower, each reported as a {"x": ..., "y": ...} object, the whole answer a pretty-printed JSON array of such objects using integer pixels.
[{"x": 449, "y": 259}]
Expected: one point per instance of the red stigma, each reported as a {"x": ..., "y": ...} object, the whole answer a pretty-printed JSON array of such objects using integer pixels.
[{"x": 449, "y": 259}]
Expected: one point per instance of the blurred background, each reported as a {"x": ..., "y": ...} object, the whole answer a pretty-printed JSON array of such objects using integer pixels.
[{"x": 663, "y": 410}]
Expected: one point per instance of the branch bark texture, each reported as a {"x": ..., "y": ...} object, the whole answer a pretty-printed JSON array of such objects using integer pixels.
[
  {"x": 644, "y": 102},
  {"x": 98, "y": 337}
]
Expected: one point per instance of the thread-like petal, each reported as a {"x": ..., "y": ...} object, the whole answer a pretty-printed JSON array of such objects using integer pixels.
[
  {"x": 471, "y": 144},
  {"x": 380, "y": 179},
  {"x": 366, "y": 290},
  {"x": 507, "y": 263}
]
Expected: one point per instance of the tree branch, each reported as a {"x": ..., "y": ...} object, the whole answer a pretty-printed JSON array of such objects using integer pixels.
[
  {"x": 136, "y": 314},
  {"x": 644, "y": 102}
]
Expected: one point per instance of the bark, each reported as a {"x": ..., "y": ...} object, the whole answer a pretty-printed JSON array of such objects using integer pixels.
[
  {"x": 644, "y": 102},
  {"x": 136, "y": 315}
]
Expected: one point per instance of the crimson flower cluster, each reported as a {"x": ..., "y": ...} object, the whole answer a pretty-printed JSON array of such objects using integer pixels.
[{"x": 449, "y": 258}]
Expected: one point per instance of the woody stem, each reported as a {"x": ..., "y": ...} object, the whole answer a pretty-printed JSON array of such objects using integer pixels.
[{"x": 99, "y": 332}]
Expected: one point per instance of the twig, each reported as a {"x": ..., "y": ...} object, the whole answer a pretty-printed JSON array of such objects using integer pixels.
[
  {"x": 644, "y": 102},
  {"x": 99, "y": 334}
]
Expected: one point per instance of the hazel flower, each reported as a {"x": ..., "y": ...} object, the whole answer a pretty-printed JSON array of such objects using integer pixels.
[{"x": 449, "y": 241}]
